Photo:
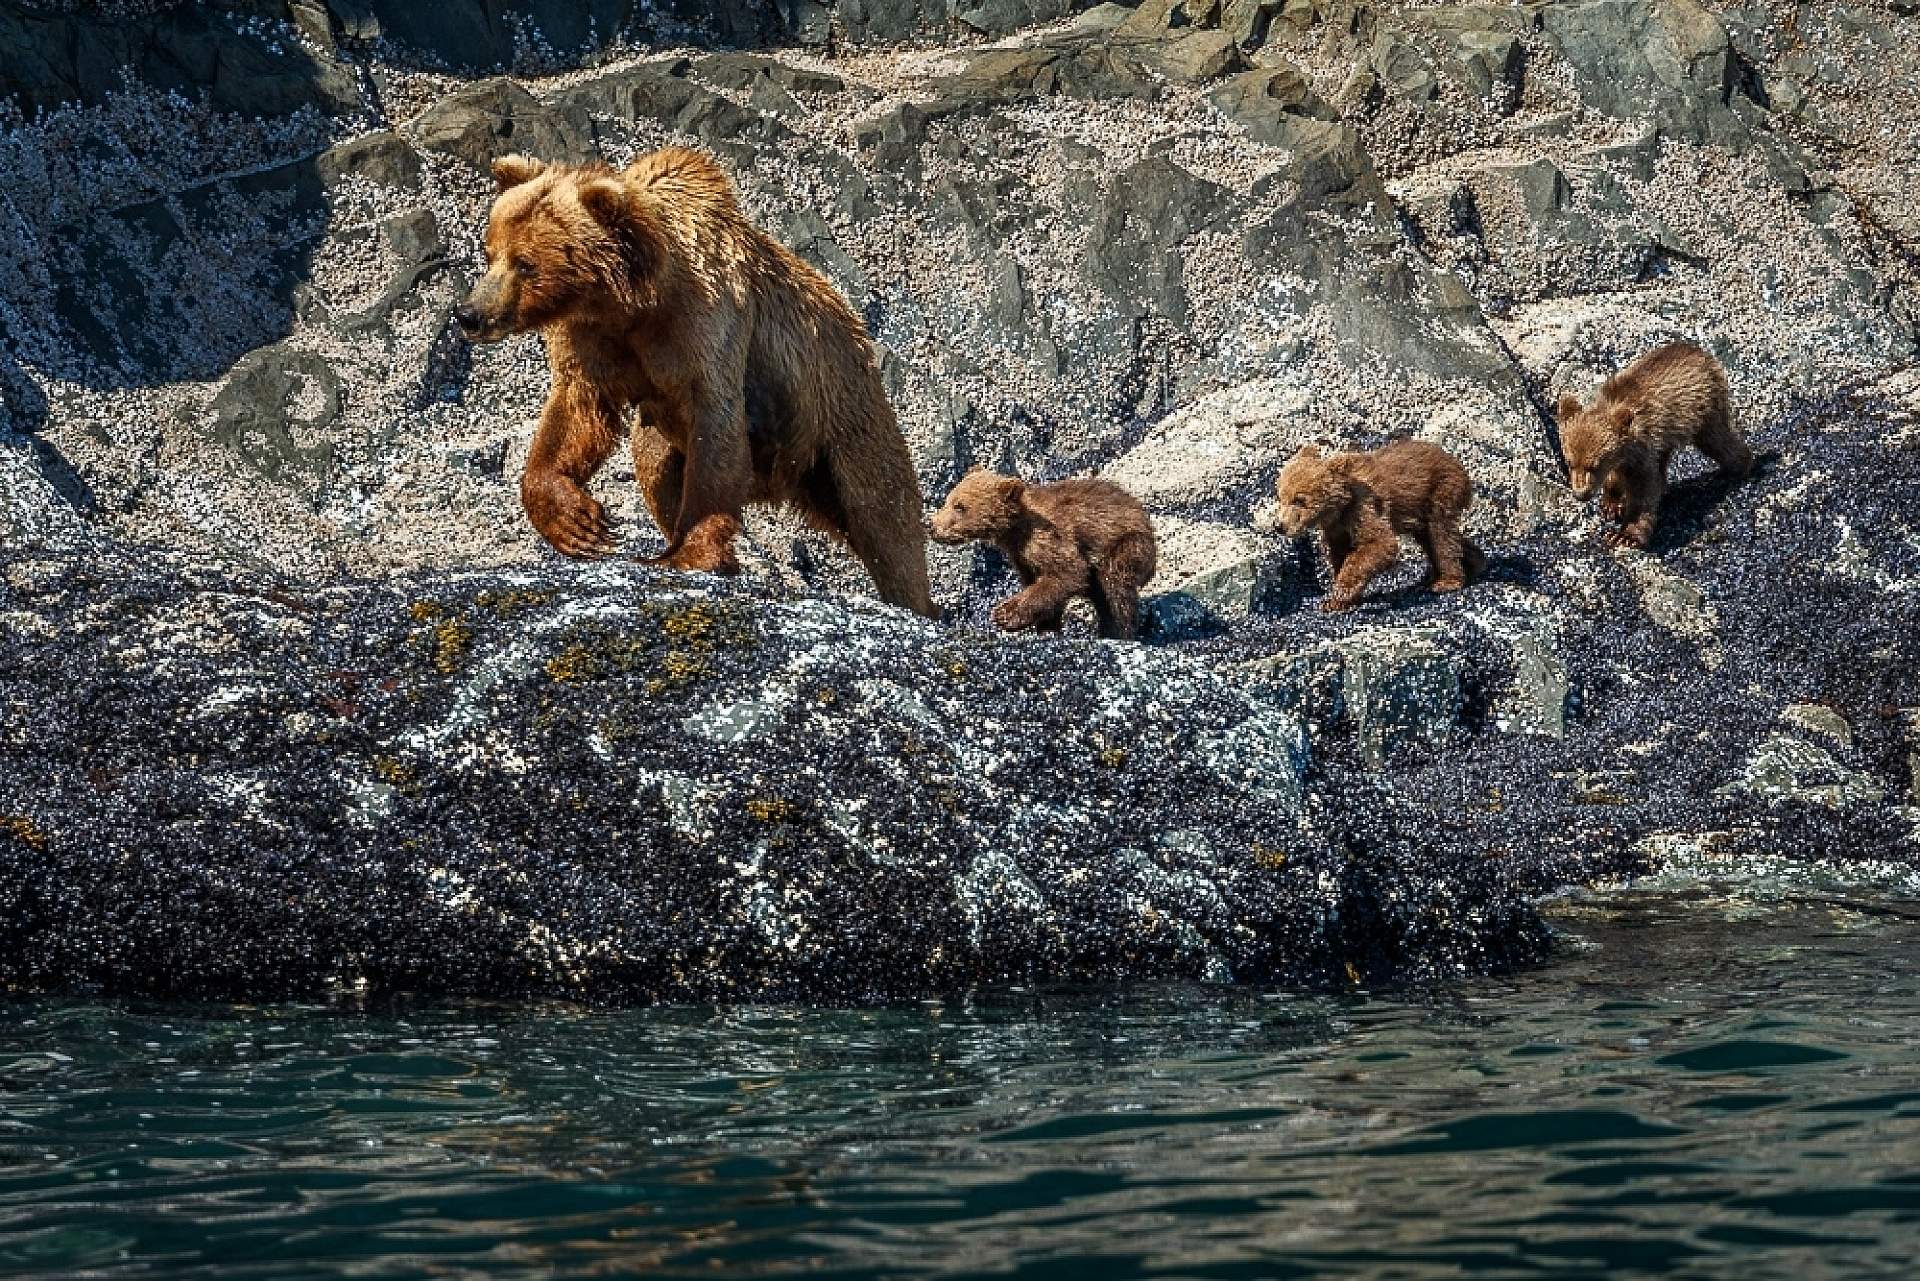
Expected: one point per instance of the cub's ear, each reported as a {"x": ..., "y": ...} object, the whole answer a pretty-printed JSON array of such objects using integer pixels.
[
  {"x": 1308, "y": 450},
  {"x": 606, "y": 200},
  {"x": 1567, "y": 408},
  {"x": 511, "y": 171}
]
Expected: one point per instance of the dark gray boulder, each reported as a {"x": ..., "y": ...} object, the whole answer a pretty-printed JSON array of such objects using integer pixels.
[{"x": 497, "y": 117}]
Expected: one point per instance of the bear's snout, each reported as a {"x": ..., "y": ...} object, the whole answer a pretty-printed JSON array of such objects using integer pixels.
[{"x": 489, "y": 310}]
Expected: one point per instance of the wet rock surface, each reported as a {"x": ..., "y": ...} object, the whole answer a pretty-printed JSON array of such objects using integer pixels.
[
  {"x": 616, "y": 786},
  {"x": 1166, "y": 243}
]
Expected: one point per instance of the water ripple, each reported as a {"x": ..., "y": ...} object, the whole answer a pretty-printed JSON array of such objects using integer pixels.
[{"x": 1701, "y": 1089}]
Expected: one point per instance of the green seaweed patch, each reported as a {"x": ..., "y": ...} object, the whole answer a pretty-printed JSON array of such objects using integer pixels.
[{"x": 24, "y": 830}]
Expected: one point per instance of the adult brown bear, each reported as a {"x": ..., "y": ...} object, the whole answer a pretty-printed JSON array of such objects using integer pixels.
[{"x": 754, "y": 380}]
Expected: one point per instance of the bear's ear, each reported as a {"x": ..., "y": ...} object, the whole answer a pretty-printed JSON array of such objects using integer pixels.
[
  {"x": 1622, "y": 417},
  {"x": 606, "y": 200},
  {"x": 511, "y": 171},
  {"x": 1310, "y": 450},
  {"x": 1566, "y": 408}
]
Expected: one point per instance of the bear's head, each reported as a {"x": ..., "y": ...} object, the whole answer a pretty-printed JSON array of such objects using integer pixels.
[
  {"x": 561, "y": 241},
  {"x": 984, "y": 505},
  {"x": 1313, "y": 489},
  {"x": 1590, "y": 435}
]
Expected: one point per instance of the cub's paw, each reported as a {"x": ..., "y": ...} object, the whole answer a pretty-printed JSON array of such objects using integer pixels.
[
  {"x": 1625, "y": 537},
  {"x": 1337, "y": 604},
  {"x": 699, "y": 560},
  {"x": 1448, "y": 584},
  {"x": 1011, "y": 616}
]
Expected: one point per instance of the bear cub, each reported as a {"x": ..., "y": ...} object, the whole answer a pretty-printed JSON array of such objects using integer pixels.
[
  {"x": 1620, "y": 444},
  {"x": 1073, "y": 538},
  {"x": 1362, "y": 502}
]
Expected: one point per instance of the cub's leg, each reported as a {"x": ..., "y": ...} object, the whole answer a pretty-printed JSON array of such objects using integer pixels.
[
  {"x": 1446, "y": 553},
  {"x": 1127, "y": 567},
  {"x": 1721, "y": 441},
  {"x": 1375, "y": 548},
  {"x": 1632, "y": 497},
  {"x": 1040, "y": 606}
]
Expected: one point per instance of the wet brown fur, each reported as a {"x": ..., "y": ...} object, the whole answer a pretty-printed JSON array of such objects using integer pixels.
[
  {"x": 1084, "y": 537},
  {"x": 753, "y": 380},
  {"x": 1362, "y": 502},
  {"x": 1620, "y": 445}
]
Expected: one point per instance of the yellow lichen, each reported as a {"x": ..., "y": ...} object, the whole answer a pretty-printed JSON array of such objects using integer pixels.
[
  {"x": 24, "y": 830},
  {"x": 392, "y": 772},
  {"x": 772, "y": 809},
  {"x": 451, "y": 638},
  {"x": 574, "y": 663},
  {"x": 512, "y": 601},
  {"x": 1113, "y": 757},
  {"x": 1269, "y": 857}
]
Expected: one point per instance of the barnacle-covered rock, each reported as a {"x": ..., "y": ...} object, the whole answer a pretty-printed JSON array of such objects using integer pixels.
[{"x": 616, "y": 785}]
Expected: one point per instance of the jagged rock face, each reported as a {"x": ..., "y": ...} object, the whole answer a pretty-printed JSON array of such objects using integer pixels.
[
  {"x": 1168, "y": 243},
  {"x": 616, "y": 786}
]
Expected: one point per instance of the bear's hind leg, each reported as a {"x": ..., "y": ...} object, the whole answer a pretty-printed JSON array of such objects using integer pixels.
[
  {"x": 1721, "y": 441},
  {"x": 1446, "y": 553},
  {"x": 880, "y": 523},
  {"x": 1117, "y": 581}
]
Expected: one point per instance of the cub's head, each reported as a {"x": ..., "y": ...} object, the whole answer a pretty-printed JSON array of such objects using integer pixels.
[
  {"x": 1313, "y": 488},
  {"x": 1589, "y": 437},
  {"x": 560, "y": 241},
  {"x": 983, "y": 505}
]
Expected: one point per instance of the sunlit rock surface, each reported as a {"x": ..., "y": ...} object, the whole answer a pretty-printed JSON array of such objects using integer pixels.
[{"x": 1167, "y": 243}]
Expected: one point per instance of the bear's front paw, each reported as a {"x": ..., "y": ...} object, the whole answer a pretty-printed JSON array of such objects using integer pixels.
[
  {"x": 1448, "y": 584},
  {"x": 1010, "y": 616},
  {"x": 1626, "y": 536},
  {"x": 578, "y": 527},
  {"x": 1337, "y": 603}
]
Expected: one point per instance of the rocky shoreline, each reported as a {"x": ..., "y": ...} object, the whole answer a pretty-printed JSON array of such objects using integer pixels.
[{"x": 269, "y": 616}]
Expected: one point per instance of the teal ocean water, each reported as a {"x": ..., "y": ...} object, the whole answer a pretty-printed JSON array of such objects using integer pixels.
[{"x": 1699, "y": 1086}]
